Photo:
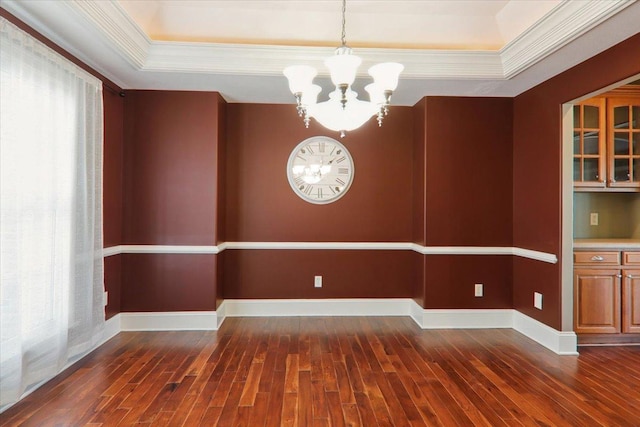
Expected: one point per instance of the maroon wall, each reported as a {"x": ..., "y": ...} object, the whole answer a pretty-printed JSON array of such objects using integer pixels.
[
  {"x": 112, "y": 196},
  {"x": 171, "y": 178},
  {"x": 467, "y": 199},
  {"x": 346, "y": 273},
  {"x": 261, "y": 207},
  {"x": 537, "y": 165}
]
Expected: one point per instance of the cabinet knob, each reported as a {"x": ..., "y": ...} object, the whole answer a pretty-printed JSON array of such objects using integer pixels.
[
  {"x": 629, "y": 276},
  {"x": 619, "y": 276},
  {"x": 597, "y": 258}
]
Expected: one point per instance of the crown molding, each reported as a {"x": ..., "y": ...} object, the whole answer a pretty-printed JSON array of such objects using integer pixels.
[
  {"x": 268, "y": 60},
  {"x": 565, "y": 23},
  {"x": 110, "y": 23},
  {"x": 113, "y": 23}
]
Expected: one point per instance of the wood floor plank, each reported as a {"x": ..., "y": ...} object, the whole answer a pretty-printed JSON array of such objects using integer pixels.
[
  {"x": 305, "y": 409},
  {"x": 355, "y": 371}
]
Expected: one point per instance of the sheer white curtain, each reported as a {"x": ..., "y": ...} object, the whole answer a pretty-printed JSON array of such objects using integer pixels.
[{"x": 51, "y": 266}]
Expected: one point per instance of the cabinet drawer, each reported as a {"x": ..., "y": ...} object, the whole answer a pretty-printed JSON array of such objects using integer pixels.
[
  {"x": 597, "y": 258},
  {"x": 631, "y": 258}
]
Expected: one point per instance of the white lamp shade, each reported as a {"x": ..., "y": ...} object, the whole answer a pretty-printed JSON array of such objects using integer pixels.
[
  {"x": 331, "y": 115},
  {"x": 300, "y": 77},
  {"x": 310, "y": 95},
  {"x": 376, "y": 94},
  {"x": 386, "y": 75},
  {"x": 342, "y": 68}
]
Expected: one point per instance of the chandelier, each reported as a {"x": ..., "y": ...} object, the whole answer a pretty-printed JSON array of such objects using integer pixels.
[{"x": 343, "y": 111}]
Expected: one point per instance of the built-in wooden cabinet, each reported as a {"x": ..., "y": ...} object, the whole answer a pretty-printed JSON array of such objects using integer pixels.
[
  {"x": 606, "y": 142},
  {"x": 606, "y": 292}
]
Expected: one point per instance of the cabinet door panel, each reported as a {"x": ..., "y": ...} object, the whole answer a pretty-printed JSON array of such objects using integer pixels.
[
  {"x": 589, "y": 148},
  {"x": 597, "y": 301},
  {"x": 623, "y": 132},
  {"x": 631, "y": 301}
]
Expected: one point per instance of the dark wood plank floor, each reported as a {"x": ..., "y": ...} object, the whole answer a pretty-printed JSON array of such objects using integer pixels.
[{"x": 350, "y": 371}]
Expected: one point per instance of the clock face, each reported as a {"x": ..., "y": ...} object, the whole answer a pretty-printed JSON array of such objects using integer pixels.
[{"x": 320, "y": 170}]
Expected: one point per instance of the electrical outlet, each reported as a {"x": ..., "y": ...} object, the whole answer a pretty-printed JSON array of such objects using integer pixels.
[
  {"x": 317, "y": 281},
  {"x": 105, "y": 298},
  {"x": 537, "y": 300},
  {"x": 479, "y": 290},
  {"x": 593, "y": 218}
]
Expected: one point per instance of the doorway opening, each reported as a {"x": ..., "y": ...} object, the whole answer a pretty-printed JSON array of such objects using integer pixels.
[{"x": 597, "y": 201}]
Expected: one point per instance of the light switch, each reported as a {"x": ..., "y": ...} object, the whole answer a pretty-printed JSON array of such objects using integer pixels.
[{"x": 594, "y": 218}]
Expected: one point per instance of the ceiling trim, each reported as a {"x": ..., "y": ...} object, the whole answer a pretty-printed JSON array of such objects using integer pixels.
[
  {"x": 563, "y": 24},
  {"x": 271, "y": 60},
  {"x": 109, "y": 22}
]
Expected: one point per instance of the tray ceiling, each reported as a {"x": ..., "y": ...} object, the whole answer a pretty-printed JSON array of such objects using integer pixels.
[{"x": 239, "y": 48}]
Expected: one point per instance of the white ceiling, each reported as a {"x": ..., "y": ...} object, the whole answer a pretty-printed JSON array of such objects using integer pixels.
[{"x": 239, "y": 48}]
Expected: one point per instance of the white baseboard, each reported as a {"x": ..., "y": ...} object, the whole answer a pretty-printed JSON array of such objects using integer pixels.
[
  {"x": 564, "y": 343},
  {"x": 169, "y": 321},
  {"x": 112, "y": 327},
  {"x": 221, "y": 313},
  {"x": 466, "y": 319},
  {"x": 317, "y": 307}
]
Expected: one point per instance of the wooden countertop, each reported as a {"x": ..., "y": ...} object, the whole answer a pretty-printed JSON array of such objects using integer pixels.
[{"x": 614, "y": 244}]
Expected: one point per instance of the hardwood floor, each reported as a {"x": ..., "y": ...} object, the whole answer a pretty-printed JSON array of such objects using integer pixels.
[{"x": 349, "y": 371}]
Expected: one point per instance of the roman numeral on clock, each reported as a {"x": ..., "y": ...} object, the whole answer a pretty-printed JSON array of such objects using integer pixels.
[
  {"x": 319, "y": 193},
  {"x": 343, "y": 171},
  {"x": 321, "y": 147},
  {"x": 341, "y": 159},
  {"x": 298, "y": 181},
  {"x": 308, "y": 190},
  {"x": 339, "y": 181},
  {"x": 309, "y": 149}
]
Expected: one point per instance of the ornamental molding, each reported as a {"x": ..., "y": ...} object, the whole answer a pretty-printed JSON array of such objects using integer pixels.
[{"x": 110, "y": 22}]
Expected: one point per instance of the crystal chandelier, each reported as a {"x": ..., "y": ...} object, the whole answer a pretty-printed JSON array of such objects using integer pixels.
[{"x": 343, "y": 111}]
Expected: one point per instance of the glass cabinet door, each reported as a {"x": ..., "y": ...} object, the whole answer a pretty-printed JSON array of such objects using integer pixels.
[
  {"x": 624, "y": 142},
  {"x": 589, "y": 143}
]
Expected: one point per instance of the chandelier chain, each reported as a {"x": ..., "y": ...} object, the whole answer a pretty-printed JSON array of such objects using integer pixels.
[{"x": 344, "y": 22}]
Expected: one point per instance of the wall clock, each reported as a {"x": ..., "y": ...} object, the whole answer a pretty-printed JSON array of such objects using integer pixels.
[{"x": 320, "y": 170}]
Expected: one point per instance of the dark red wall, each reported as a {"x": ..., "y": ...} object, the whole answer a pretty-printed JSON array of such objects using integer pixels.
[
  {"x": 467, "y": 199},
  {"x": 537, "y": 166},
  {"x": 168, "y": 282},
  {"x": 346, "y": 273},
  {"x": 261, "y": 207},
  {"x": 170, "y": 168},
  {"x": 468, "y": 166},
  {"x": 171, "y": 179},
  {"x": 112, "y": 195}
]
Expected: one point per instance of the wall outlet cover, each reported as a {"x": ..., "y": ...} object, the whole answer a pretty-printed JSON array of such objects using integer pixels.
[
  {"x": 537, "y": 300},
  {"x": 479, "y": 290},
  {"x": 317, "y": 281}
]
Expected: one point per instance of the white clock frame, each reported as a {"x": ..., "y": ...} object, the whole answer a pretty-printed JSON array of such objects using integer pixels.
[{"x": 320, "y": 151}]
